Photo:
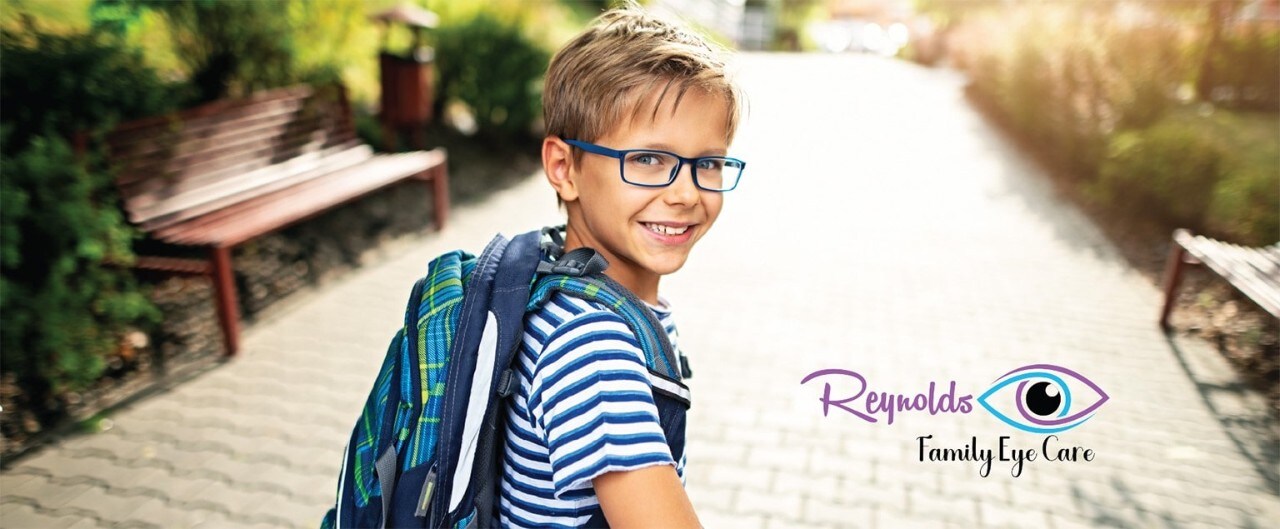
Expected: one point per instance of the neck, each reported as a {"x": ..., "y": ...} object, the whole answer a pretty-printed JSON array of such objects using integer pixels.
[{"x": 641, "y": 282}]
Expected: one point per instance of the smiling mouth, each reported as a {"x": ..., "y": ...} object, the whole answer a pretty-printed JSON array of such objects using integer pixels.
[{"x": 663, "y": 229}]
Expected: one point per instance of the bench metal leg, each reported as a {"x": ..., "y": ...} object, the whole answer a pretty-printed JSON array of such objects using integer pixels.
[
  {"x": 1172, "y": 278},
  {"x": 440, "y": 193},
  {"x": 224, "y": 295}
]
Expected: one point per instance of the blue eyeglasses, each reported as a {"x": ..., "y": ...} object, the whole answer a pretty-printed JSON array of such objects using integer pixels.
[{"x": 652, "y": 168}]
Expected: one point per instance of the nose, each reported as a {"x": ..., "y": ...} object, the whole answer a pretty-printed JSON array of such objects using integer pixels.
[{"x": 683, "y": 190}]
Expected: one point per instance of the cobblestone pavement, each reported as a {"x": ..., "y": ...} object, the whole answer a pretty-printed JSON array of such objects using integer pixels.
[{"x": 883, "y": 228}]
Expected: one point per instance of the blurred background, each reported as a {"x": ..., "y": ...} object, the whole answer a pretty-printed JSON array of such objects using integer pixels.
[{"x": 1143, "y": 116}]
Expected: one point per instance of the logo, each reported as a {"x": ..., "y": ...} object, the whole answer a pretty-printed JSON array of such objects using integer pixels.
[{"x": 1043, "y": 399}]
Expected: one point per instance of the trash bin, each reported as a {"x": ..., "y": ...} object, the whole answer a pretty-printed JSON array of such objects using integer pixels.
[{"x": 408, "y": 80}]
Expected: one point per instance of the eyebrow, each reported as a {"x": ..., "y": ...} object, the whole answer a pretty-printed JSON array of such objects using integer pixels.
[{"x": 665, "y": 147}]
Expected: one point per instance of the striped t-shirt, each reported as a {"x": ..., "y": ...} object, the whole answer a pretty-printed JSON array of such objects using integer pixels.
[{"x": 584, "y": 407}]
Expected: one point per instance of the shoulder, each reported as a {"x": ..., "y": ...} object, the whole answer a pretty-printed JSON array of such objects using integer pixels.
[
  {"x": 565, "y": 318},
  {"x": 571, "y": 338}
]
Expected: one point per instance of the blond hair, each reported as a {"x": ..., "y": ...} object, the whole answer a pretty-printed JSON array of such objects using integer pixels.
[{"x": 604, "y": 71}]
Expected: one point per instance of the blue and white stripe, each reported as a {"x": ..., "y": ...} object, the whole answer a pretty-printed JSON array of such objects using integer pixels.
[{"x": 584, "y": 407}]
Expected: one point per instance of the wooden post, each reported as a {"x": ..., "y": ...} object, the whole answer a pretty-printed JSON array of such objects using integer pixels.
[
  {"x": 1172, "y": 277},
  {"x": 224, "y": 296}
]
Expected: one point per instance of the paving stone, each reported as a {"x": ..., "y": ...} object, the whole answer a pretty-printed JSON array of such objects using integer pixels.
[
  {"x": 713, "y": 518},
  {"x": 107, "y": 505},
  {"x": 770, "y": 504},
  {"x": 14, "y": 516},
  {"x": 1002, "y": 516},
  {"x": 783, "y": 523},
  {"x": 166, "y": 514},
  {"x": 823, "y": 488},
  {"x": 838, "y": 514},
  {"x": 740, "y": 476},
  {"x": 12, "y": 480},
  {"x": 710, "y": 498},
  {"x": 49, "y": 494}
]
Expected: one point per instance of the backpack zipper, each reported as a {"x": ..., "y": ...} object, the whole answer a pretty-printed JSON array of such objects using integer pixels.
[{"x": 424, "y": 502}]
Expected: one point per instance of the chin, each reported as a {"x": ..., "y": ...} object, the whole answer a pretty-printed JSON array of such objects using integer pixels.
[{"x": 663, "y": 267}]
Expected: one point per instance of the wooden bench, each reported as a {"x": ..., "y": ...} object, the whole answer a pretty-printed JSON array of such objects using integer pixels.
[
  {"x": 1253, "y": 271},
  {"x": 220, "y": 174}
]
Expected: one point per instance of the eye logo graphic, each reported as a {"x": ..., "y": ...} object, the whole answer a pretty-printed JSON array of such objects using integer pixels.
[{"x": 1043, "y": 399}]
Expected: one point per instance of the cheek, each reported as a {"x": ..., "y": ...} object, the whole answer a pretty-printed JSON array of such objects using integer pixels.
[
  {"x": 713, "y": 202},
  {"x": 607, "y": 197}
]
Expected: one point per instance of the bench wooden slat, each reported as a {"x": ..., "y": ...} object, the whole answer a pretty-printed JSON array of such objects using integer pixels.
[
  {"x": 1253, "y": 269},
  {"x": 166, "y": 182},
  {"x": 209, "y": 113},
  {"x": 238, "y": 223},
  {"x": 1238, "y": 261},
  {"x": 1236, "y": 264},
  {"x": 177, "y": 139},
  {"x": 173, "y": 265},
  {"x": 1261, "y": 261},
  {"x": 169, "y": 182},
  {"x": 272, "y": 141},
  {"x": 185, "y": 202}
]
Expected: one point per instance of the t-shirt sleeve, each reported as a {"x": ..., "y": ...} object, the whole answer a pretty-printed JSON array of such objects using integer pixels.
[{"x": 591, "y": 402}]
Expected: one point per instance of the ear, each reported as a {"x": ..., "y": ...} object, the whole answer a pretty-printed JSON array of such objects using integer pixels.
[{"x": 557, "y": 161}]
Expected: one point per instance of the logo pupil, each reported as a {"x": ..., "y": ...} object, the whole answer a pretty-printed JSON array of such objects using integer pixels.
[{"x": 1039, "y": 401}]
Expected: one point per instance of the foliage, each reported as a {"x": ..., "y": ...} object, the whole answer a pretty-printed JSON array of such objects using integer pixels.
[
  {"x": 44, "y": 72},
  {"x": 1215, "y": 173},
  {"x": 494, "y": 69},
  {"x": 66, "y": 300},
  {"x": 61, "y": 18},
  {"x": 1245, "y": 204},
  {"x": 792, "y": 18},
  {"x": 64, "y": 309},
  {"x": 1168, "y": 169},
  {"x": 228, "y": 48},
  {"x": 1245, "y": 201}
]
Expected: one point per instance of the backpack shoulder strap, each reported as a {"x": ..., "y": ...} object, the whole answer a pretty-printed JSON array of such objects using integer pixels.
[
  {"x": 490, "y": 329},
  {"x": 660, "y": 356}
]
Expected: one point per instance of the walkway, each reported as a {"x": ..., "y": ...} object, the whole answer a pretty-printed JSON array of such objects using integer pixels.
[{"x": 883, "y": 228}]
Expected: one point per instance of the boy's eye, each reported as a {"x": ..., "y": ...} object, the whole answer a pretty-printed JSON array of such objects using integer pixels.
[
  {"x": 710, "y": 164},
  {"x": 646, "y": 158}
]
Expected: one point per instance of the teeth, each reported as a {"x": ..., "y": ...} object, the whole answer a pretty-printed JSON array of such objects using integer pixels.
[{"x": 665, "y": 230}]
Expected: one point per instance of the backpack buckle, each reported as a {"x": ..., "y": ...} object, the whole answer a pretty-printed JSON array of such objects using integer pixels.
[
  {"x": 506, "y": 383},
  {"x": 577, "y": 263}
]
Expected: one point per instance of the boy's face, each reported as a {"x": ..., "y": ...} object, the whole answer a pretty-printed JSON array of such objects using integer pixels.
[{"x": 616, "y": 218}]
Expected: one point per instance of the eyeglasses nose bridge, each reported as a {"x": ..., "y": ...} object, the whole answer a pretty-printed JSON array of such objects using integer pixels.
[{"x": 681, "y": 163}]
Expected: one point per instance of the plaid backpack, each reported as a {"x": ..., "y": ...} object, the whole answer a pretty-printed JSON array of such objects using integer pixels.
[{"x": 426, "y": 450}]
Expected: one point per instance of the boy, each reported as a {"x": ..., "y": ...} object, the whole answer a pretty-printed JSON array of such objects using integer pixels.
[{"x": 585, "y": 441}]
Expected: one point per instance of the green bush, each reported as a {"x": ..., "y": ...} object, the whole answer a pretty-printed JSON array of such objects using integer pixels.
[
  {"x": 61, "y": 85},
  {"x": 1169, "y": 170},
  {"x": 65, "y": 308},
  {"x": 494, "y": 69},
  {"x": 1246, "y": 205},
  {"x": 229, "y": 48}
]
